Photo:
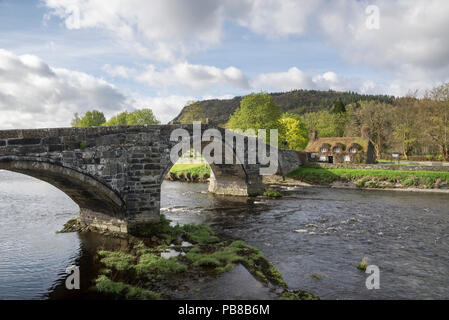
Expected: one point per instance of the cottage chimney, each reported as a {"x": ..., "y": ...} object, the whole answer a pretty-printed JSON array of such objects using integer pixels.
[
  {"x": 365, "y": 132},
  {"x": 313, "y": 135}
]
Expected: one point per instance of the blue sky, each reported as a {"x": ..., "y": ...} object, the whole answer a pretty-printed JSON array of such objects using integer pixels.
[{"x": 58, "y": 57}]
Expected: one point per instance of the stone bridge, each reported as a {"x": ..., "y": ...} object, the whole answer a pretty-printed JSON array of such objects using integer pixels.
[{"x": 115, "y": 174}]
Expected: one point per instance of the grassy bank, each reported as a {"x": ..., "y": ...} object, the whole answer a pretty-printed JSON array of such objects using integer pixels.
[
  {"x": 140, "y": 271},
  {"x": 373, "y": 178},
  {"x": 192, "y": 172}
]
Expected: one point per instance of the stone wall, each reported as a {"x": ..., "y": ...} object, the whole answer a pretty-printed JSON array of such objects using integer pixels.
[
  {"x": 290, "y": 160},
  {"x": 381, "y": 167}
]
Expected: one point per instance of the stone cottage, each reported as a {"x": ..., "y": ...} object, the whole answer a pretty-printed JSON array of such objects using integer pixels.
[{"x": 341, "y": 149}]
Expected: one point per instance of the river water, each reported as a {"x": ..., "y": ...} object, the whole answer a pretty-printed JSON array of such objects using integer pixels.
[{"x": 310, "y": 233}]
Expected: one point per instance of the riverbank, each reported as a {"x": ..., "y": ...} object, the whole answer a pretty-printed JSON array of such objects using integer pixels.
[
  {"x": 169, "y": 260},
  {"x": 419, "y": 180},
  {"x": 336, "y": 177},
  {"x": 189, "y": 172}
]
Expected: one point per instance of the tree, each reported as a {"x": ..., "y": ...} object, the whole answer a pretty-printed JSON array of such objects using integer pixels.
[
  {"x": 257, "y": 111},
  {"x": 377, "y": 117},
  {"x": 436, "y": 117},
  {"x": 142, "y": 116},
  {"x": 294, "y": 132},
  {"x": 405, "y": 124},
  {"x": 137, "y": 117},
  {"x": 92, "y": 118},
  {"x": 120, "y": 119},
  {"x": 339, "y": 107},
  {"x": 326, "y": 123}
]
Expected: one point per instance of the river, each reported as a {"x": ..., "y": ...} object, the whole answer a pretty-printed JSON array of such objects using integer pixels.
[{"x": 315, "y": 236}]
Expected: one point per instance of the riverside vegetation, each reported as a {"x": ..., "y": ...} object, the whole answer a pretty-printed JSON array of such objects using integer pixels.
[
  {"x": 141, "y": 271},
  {"x": 362, "y": 178},
  {"x": 373, "y": 178}
]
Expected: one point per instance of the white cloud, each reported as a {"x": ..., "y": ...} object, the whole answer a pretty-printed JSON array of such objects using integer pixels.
[
  {"x": 412, "y": 37},
  {"x": 294, "y": 78},
  {"x": 165, "y": 107},
  {"x": 274, "y": 18},
  {"x": 183, "y": 75},
  {"x": 282, "y": 81},
  {"x": 34, "y": 94},
  {"x": 163, "y": 30},
  {"x": 205, "y": 79}
]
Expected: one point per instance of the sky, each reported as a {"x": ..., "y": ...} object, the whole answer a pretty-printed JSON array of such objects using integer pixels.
[{"x": 58, "y": 57}]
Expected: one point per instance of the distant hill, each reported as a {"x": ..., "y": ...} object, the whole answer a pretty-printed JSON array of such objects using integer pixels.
[{"x": 297, "y": 101}]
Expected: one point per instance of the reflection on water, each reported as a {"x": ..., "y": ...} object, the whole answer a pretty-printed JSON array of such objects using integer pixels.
[
  {"x": 32, "y": 256},
  {"x": 309, "y": 231}
]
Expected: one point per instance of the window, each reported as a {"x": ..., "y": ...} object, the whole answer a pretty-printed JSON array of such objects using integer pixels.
[
  {"x": 347, "y": 158},
  {"x": 323, "y": 150},
  {"x": 313, "y": 155},
  {"x": 336, "y": 150},
  {"x": 323, "y": 158},
  {"x": 353, "y": 150}
]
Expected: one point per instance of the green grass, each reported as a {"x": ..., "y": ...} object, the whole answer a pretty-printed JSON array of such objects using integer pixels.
[
  {"x": 298, "y": 295},
  {"x": 154, "y": 267},
  {"x": 122, "y": 290},
  {"x": 222, "y": 260},
  {"x": 272, "y": 193},
  {"x": 120, "y": 261},
  {"x": 370, "y": 177},
  {"x": 199, "y": 234},
  {"x": 200, "y": 170}
]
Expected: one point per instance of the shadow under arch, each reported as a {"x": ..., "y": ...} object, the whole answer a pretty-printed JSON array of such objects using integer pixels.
[{"x": 87, "y": 192}]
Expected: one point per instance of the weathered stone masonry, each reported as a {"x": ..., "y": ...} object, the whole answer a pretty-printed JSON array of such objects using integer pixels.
[{"x": 114, "y": 174}]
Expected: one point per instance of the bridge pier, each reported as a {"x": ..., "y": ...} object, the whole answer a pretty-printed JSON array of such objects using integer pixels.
[{"x": 230, "y": 183}]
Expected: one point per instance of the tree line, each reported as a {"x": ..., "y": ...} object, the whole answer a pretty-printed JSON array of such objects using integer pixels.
[
  {"x": 296, "y": 101},
  {"x": 95, "y": 118},
  {"x": 411, "y": 126}
]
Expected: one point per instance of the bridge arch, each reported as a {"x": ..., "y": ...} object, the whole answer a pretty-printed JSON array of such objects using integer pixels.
[
  {"x": 237, "y": 179},
  {"x": 96, "y": 200}
]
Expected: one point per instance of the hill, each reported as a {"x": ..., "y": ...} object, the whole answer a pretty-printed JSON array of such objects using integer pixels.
[{"x": 296, "y": 101}]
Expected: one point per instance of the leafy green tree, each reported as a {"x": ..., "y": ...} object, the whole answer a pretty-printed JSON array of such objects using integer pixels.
[
  {"x": 326, "y": 123},
  {"x": 137, "y": 117},
  {"x": 339, "y": 107},
  {"x": 119, "y": 120},
  {"x": 92, "y": 118},
  {"x": 141, "y": 116},
  {"x": 294, "y": 132},
  {"x": 257, "y": 111}
]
